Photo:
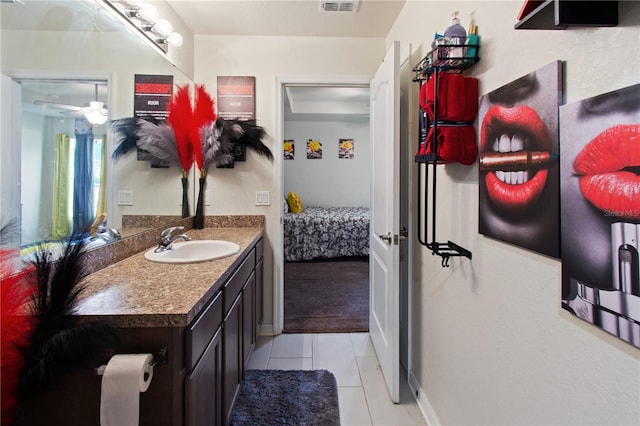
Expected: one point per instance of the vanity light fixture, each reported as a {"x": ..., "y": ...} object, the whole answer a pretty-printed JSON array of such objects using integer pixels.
[{"x": 145, "y": 20}]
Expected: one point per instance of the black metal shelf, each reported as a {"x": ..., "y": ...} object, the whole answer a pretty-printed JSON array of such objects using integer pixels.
[
  {"x": 561, "y": 14},
  {"x": 432, "y": 64},
  {"x": 443, "y": 59}
]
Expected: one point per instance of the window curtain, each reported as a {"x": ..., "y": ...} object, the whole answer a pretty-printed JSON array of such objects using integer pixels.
[
  {"x": 101, "y": 206},
  {"x": 61, "y": 224},
  {"x": 83, "y": 214}
]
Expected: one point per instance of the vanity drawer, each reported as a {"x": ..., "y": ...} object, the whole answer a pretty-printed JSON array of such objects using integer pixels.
[
  {"x": 233, "y": 287},
  {"x": 199, "y": 333}
]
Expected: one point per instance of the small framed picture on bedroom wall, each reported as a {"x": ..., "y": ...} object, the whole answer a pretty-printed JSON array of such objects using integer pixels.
[
  {"x": 345, "y": 148},
  {"x": 314, "y": 149},
  {"x": 289, "y": 149}
]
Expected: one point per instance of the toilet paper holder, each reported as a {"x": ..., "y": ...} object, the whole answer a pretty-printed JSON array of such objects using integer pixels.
[{"x": 160, "y": 358}]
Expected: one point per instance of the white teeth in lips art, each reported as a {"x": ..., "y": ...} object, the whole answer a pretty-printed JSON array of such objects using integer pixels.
[
  {"x": 513, "y": 178},
  {"x": 506, "y": 143}
]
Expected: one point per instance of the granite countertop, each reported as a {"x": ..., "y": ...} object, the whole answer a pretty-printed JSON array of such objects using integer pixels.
[{"x": 138, "y": 293}]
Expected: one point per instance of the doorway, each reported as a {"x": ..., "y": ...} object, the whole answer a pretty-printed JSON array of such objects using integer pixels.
[
  {"x": 326, "y": 164},
  {"x": 59, "y": 146}
]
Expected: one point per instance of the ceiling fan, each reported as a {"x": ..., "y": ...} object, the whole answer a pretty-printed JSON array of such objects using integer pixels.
[{"x": 95, "y": 113}]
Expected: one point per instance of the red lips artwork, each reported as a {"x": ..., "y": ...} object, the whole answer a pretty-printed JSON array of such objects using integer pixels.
[
  {"x": 510, "y": 129},
  {"x": 603, "y": 164}
]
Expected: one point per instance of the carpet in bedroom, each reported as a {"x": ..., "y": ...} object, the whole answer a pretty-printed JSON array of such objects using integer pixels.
[{"x": 327, "y": 296}]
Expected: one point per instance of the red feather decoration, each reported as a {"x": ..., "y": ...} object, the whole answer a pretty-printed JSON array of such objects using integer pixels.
[
  {"x": 203, "y": 114},
  {"x": 181, "y": 120},
  {"x": 17, "y": 325}
]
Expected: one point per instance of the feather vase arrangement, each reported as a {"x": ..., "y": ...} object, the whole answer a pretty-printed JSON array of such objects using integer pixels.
[
  {"x": 42, "y": 338},
  {"x": 204, "y": 114},
  {"x": 181, "y": 120},
  {"x": 190, "y": 134}
]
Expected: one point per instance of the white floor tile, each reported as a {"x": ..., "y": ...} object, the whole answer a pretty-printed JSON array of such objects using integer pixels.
[
  {"x": 261, "y": 353},
  {"x": 353, "y": 407},
  {"x": 383, "y": 410},
  {"x": 362, "y": 393},
  {"x": 362, "y": 345},
  {"x": 290, "y": 364},
  {"x": 292, "y": 346},
  {"x": 334, "y": 352}
]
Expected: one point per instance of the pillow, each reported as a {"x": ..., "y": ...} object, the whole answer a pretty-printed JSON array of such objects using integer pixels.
[
  {"x": 285, "y": 206},
  {"x": 294, "y": 202}
]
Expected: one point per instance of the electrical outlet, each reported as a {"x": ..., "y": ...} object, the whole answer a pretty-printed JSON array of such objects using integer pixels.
[
  {"x": 263, "y": 198},
  {"x": 125, "y": 198}
]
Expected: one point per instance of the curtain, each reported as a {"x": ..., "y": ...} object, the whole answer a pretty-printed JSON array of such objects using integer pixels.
[
  {"x": 82, "y": 184},
  {"x": 101, "y": 205},
  {"x": 61, "y": 224}
]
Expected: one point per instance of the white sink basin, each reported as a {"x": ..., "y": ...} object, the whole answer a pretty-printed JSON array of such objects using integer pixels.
[{"x": 193, "y": 251}]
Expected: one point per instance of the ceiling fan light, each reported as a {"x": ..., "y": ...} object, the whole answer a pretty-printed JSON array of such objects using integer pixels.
[{"x": 95, "y": 117}]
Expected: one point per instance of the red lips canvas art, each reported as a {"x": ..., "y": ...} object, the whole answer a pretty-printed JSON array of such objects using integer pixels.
[
  {"x": 519, "y": 179},
  {"x": 600, "y": 211}
]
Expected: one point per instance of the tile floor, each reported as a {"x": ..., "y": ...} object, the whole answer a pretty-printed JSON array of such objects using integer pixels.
[{"x": 362, "y": 393}]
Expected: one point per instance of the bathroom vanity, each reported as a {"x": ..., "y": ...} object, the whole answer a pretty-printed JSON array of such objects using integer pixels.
[{"x": 203, "y": 316}]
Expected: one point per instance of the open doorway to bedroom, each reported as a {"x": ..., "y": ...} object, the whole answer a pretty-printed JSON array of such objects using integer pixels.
[{"x": 326, "y": 173}]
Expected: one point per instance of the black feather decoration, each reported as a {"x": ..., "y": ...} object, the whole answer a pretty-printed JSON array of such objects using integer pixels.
[
  {"x": 60, "y": 343},
  {"x": 250, "y": 135},
  {"x": 125, "y": 130}
]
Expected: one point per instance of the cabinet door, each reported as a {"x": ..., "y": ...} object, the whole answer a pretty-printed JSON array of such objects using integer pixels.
[
  {"x": 248, "y": 320},
  {"x": 232, "y": 359},
  {"x": 203, "y": 386},
  {"x": 259, "y": 292}
]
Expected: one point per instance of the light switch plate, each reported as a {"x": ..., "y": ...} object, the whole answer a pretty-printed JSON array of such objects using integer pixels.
[
  {"x": 263, "y": 198},
  {"x": 125, "y": 198}
]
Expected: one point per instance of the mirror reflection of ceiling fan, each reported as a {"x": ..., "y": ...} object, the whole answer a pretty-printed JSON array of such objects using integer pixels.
[{"x": 95, "y": 113}]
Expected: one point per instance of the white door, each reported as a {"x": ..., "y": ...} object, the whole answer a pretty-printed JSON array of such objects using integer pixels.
[{"x": 384, "y": 288}]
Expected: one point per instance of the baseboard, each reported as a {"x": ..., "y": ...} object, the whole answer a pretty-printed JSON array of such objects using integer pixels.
[
  {"x": 423, "y": 403},
  {"x": 266, "y": 330}
]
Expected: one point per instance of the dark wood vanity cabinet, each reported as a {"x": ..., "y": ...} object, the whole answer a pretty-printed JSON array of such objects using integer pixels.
[
  {"x": 211, "y": 390},
  {"x": 205, "y": 362}
]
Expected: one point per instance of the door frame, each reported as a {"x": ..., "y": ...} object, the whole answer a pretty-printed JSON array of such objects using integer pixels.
[
  {"x": 408, "y": 136},
  {"x": 278, "y": 247}
]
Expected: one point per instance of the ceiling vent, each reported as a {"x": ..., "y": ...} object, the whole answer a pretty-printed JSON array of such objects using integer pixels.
[{"x": 339, "y": 6}]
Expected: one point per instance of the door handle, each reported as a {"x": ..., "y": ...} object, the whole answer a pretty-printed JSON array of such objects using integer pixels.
[{"x": 386, "y": 238}]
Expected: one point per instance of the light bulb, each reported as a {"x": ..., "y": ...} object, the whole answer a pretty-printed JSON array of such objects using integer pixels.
[
  {"x": 163, "y": 27},
  {"x": 148, "y": 12},
  {"x": 175, "y": 39}
]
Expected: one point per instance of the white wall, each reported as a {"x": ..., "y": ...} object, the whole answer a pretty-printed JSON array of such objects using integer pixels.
[
  {"x": 271, "y": 59},
  {"x": 491, "y": 343},
  {"x": 330, "y": 181}
]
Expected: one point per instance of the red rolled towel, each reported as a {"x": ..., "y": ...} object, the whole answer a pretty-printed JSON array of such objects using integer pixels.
[
  {"x": 471, "y": 99},
  {"x": 447, "y": 142},
  {"x": 468, "y": 145}
]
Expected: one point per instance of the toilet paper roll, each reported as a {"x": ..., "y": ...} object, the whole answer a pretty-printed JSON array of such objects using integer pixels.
[{"x": 123, "y": 380}]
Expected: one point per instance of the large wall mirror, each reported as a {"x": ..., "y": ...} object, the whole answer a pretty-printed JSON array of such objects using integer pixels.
[{"x": 64, "y": 64}]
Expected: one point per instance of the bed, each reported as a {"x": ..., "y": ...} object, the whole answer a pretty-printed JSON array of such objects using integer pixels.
[{"x": 326, "y": 232}]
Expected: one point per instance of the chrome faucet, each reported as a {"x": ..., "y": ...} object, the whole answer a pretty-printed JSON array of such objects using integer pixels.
[
  {"x": 166, "y": 239},
  {"x": 103, "y": 232}
]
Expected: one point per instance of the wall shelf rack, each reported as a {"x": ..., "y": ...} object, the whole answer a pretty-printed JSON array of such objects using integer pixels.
[
  {"x": 561, "y": 14},
  {"x": 436, "y": 61}
]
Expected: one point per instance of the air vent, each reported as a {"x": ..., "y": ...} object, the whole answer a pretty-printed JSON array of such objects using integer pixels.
[{"x": 339, "y": 6}]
